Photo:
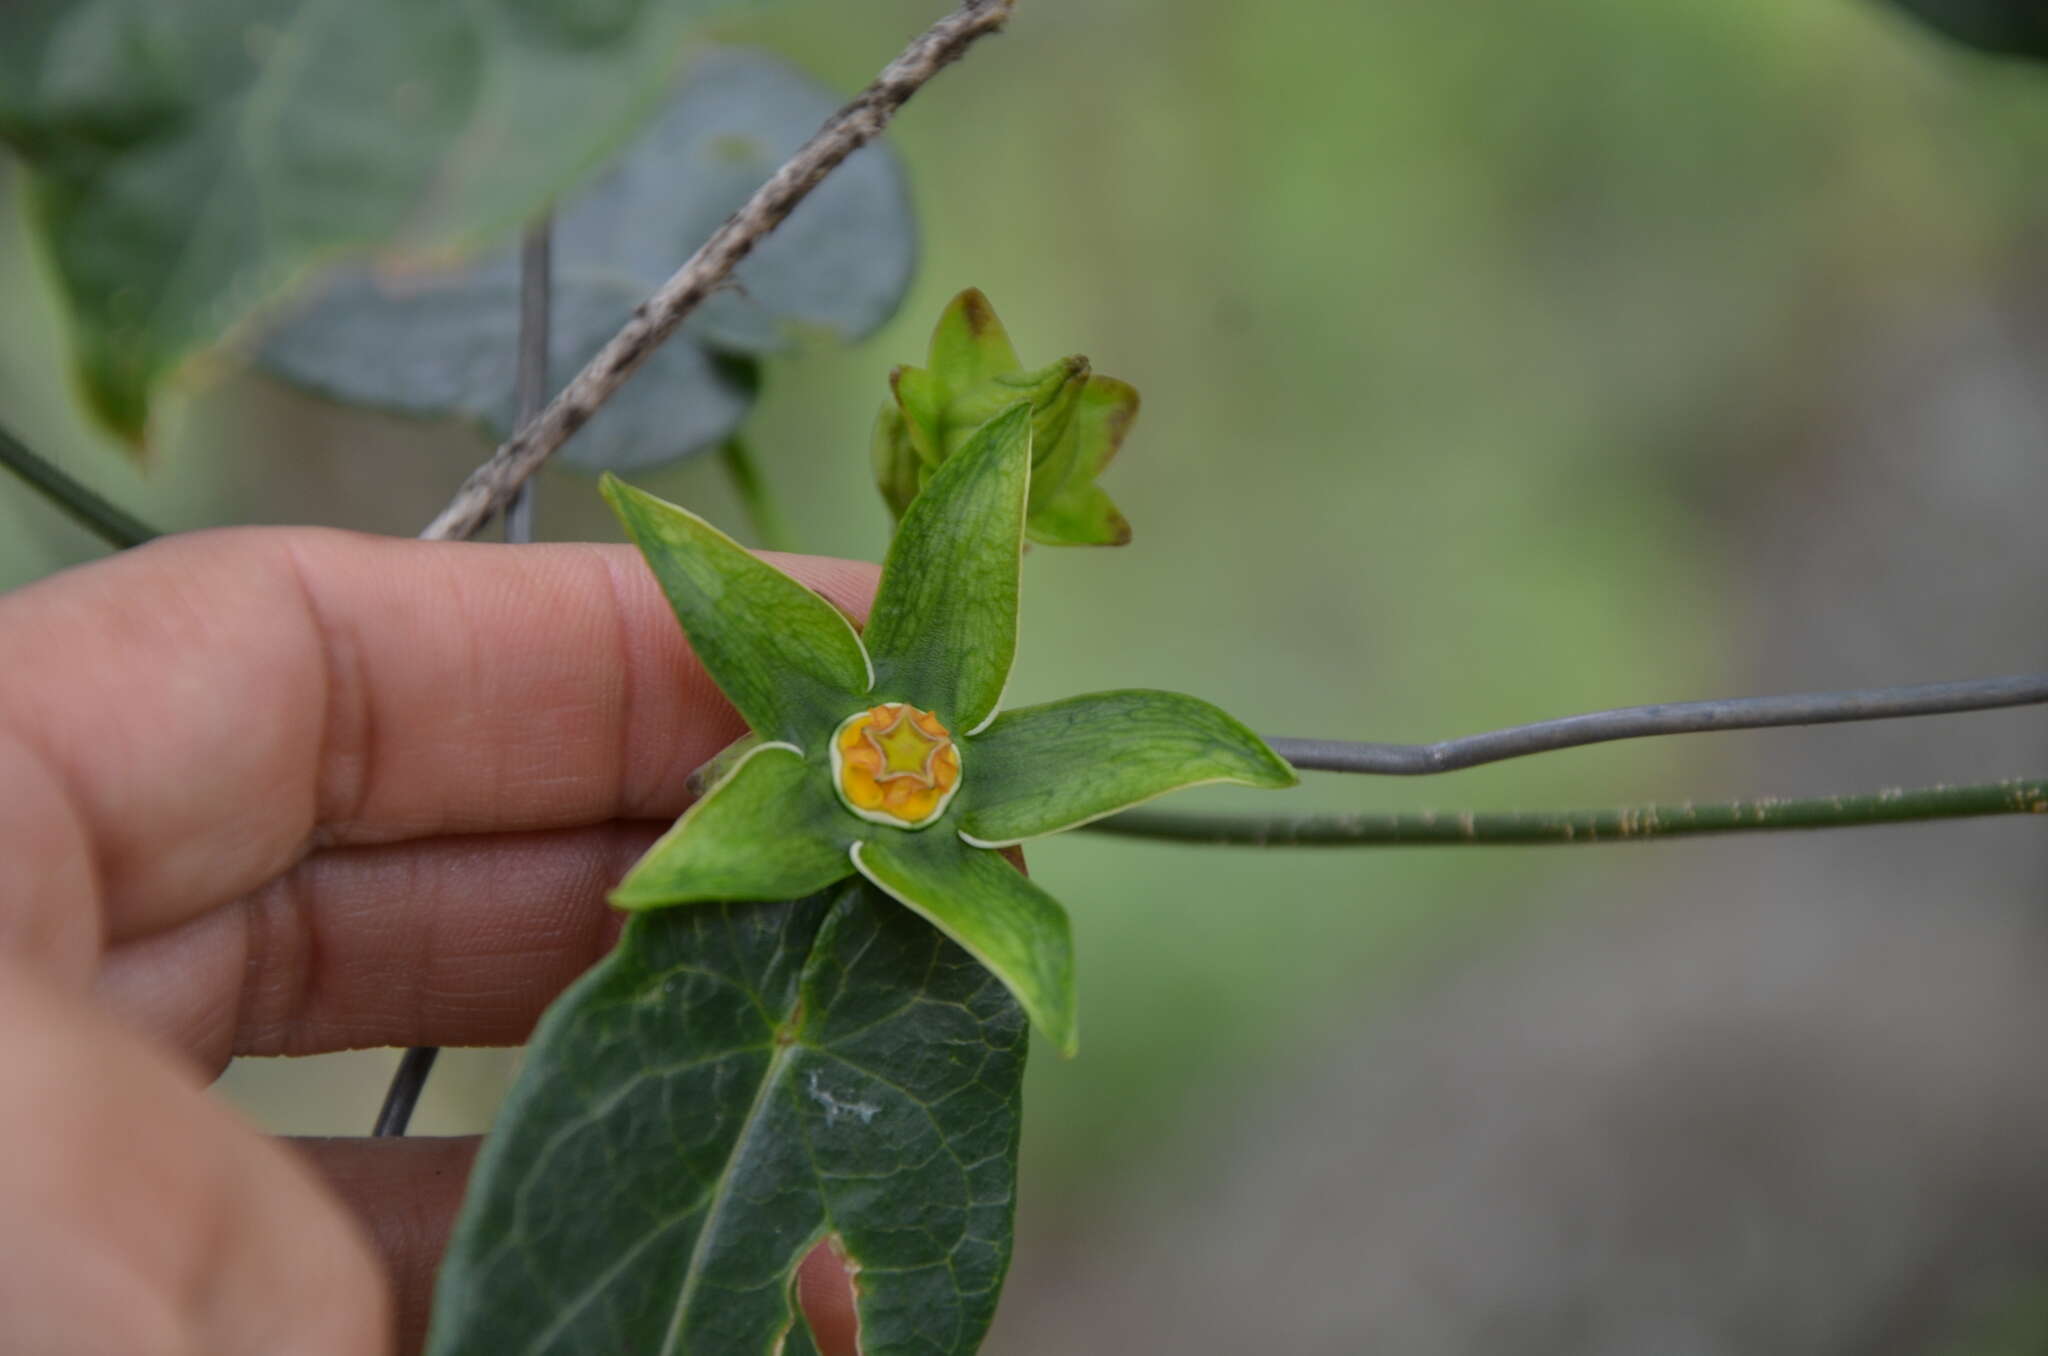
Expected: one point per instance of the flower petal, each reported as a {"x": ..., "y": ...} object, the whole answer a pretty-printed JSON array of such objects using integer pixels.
[
  {"x": 1041, "y": 769},
  {"x": 790, "y": 661},
  {"x": 943, "y": 631},
  {"x": 969, "y": 345},
  {"x": 986, "y": 905},
  {"x": 1067, "y": 507},
  {"x": 769, "y": 830}
]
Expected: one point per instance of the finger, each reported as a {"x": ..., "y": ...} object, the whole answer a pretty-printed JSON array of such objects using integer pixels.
[
  {"x": 138, "y": 1215},
  {"x": 405, "y": 1193},
  {"x": 211, "y": 705},
  {"x": 453, "y": 941}
]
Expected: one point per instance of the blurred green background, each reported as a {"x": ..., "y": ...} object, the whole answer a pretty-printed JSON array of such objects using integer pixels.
[{"x": 1499, "y": 361}]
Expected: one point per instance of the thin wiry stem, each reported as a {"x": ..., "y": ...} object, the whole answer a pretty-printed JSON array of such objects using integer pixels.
[
  {"x": 536, "y": 287},
  {"x": 2025, "y": 796},
  {"x": 407, "y": 1083},
  {"x": 1664, "y": 718},
  {"x": 110, "y": 524},
  {"x": 536, "y": 300},
  {"x": 655, "y": 319}
]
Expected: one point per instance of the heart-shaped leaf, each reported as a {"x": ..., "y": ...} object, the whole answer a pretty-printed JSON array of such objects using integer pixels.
[
  {"x": 736, "y": 1082},
  {"x": 192, "y": 157},
  {"x": 441, "y": 344}
]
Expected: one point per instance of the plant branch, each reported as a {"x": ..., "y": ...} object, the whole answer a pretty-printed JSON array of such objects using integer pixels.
[
  {"x": 1664, "y": 718},
  {"x": 2024, "y": 796},
  {"x": 110, "y": 524},
  {"x": 655, "y": 319}
]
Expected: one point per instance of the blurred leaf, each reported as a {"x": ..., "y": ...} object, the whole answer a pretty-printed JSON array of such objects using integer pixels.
[
  {"x": 734, "y": 1083},
  {"x": 444, "y": 346},
  {"x": 836, "y": 269},
  {"x": 2007, "y": 27},
  {"x": 192, "y": 157}
]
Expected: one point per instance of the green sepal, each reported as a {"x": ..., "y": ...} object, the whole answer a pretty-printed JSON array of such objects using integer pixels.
[
  {"x": 1041, "y": 769},
  {"x": 787, "y": 659},
  {"x": 943, "y": 631},
  {"x": 1067, "y": 507},
  {"x": 718, "y": 766},
  {"x": 973, "y": 373},
  {"x": 731, "y": 1084},
  {"x": 994, "y": 912},
  {"x": 768, "y": 830},
  {"x": 899, "y": 474},
  {"x": 969, "y": 345}
]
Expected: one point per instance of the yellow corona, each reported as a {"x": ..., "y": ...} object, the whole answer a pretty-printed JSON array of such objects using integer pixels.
[{"x": 895, "y": 764}]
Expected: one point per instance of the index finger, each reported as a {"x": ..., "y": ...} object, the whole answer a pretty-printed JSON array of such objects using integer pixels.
[{"x": 201, "y": 712}]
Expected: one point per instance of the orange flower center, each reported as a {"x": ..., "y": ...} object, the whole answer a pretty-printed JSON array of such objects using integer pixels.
[{"x": 895, "y": 764}]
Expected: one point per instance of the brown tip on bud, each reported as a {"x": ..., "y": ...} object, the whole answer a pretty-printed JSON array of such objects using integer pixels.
[{"x": 975, "y": 310}]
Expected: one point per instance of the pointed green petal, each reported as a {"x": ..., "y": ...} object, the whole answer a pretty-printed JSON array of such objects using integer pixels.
[
  {"x": 986, "y": 905},
  {"x": 969, "y": 345},
  {"x": 1083, "y": 516},
  {"x": 944, "y": 628},
  {"x": 1041, "y": 769},
  {"x": 770, "y": 830},
  {"x": 784, "y": 656},
  {"x": 1067, "y": 507}
]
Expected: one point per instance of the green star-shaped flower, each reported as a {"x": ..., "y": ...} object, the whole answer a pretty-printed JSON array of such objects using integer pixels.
[{"x": 883, "y": 752}]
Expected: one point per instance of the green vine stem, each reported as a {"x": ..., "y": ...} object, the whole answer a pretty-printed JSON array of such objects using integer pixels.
[
  {"x": 2016, "y": 796},
  {"x": 110, "y": 524}
]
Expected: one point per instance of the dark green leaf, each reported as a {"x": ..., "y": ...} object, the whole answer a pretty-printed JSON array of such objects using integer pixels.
[
  {"x": 785, "y": 657},
  {"x": 439, "y": 345},
  {"x": 1017, "y": 930},
  {"x": 192, "y": 159},
  {"x": 770, "y": 829},
  {"x": 2009, "y": 27},
  {"x": 1041, "y": 769},
  {"x": 943, "y": 632},
  {"x": 734, "y": 1083}
]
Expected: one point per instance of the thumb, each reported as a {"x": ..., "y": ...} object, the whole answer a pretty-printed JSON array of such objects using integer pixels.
[{"x": 137, "y": 1215}]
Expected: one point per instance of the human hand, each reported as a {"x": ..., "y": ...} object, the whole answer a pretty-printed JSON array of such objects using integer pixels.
[{"x": 282, "y": 792}]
